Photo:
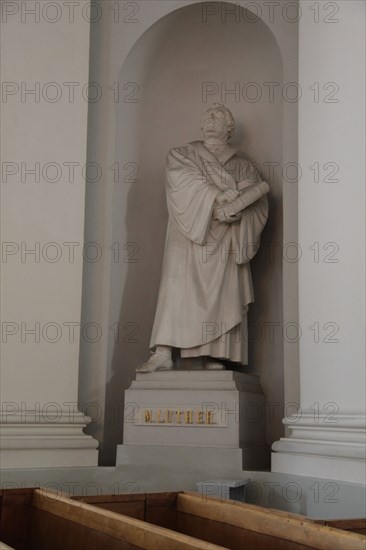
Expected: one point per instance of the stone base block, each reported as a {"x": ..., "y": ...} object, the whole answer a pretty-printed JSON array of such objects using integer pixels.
[
  {"x": 198, "y": 410},
  {"x": 179, "y": 457}
]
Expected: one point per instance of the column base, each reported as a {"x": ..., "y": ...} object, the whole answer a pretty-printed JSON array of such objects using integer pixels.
[
  {"x": 32, "y": 442},
  {"x": 326, "y": 447}
]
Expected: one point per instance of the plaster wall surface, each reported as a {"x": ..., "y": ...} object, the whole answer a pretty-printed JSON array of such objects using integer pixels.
[
  {"x": 44, "y": 132},
  {"x": 328, "y": 433},
  {"x": 332, "y": 286}
]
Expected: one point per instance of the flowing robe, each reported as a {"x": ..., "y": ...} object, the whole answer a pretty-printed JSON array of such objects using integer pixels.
[{"x": 206, "y": 283}]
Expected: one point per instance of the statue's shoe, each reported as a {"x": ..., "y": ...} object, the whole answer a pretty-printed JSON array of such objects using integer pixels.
[
  {"x": 214, "y": 365},
  {"x": 156, "y": 362}
]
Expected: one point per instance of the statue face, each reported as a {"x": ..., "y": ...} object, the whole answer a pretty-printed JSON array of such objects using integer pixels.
[{"x": 214, "y": 125}]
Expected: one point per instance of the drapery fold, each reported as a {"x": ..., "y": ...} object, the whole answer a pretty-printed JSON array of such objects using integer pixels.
[{"x": 206, "y": 283}]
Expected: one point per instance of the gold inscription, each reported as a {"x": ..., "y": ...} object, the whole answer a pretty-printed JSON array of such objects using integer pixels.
[{"x": 178, "y": 416}]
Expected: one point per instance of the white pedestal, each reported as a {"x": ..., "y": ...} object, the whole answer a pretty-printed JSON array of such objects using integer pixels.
[{"x": 207, "y": 410}]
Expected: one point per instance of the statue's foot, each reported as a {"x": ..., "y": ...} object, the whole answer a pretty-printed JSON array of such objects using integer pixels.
[
  {"x": 157, "y": 361},
  {"x": 214, "y": 365}
]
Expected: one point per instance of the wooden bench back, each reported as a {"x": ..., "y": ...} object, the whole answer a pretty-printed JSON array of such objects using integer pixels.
[
  {"x": 33, "y": 519},
  {"x": 229, "y": 523}
]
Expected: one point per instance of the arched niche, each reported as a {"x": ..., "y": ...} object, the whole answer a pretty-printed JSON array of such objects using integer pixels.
[{"x": 172, "y": 73}]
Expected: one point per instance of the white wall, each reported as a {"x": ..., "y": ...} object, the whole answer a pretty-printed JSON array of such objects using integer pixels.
[
  {"x": 35, "y": 130},
  {"x": 328, "y": 435},
  {"x": 333, "y": 290},
  {"x": 41, "y": 298}
]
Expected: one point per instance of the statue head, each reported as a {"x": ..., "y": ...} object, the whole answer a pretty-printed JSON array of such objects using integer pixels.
[{"x": 218, "y": 123}]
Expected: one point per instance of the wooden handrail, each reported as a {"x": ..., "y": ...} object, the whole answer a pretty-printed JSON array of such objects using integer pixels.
[
  {"x": 270, "y": 522},
  {"x": 124, "y": 528}
]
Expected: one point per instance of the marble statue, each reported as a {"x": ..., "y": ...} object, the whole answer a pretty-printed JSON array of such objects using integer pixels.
[{"x": 217, "y": 208}]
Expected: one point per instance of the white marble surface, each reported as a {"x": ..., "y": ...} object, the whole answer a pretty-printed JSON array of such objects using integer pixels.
[
  {"x": 203, "y": 409},
  {"x": 218, "y": 208}
]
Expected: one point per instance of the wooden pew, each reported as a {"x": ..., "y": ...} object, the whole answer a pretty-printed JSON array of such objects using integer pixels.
[
  {"x": 34, "y": 519},
  {"x": 237, "y": 525},
  {"x": 15, "y": 516},
  {"x": 353, "y": 525},
  {"x": 231, "y": 523},
  {"x": 59, "y": 522},
  {"x": 157, "y": 508}
]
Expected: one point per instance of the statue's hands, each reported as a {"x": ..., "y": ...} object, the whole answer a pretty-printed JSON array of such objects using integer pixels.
[
  {"x": 222, "y": 216},
  {"x": 234, "y": 218},
  {"x": 221, "y": 212},
  {"x": 227, "y": 196}
]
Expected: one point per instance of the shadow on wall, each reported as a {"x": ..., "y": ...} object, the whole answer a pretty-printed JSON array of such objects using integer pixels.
[{"x": 174, "y": 72}]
